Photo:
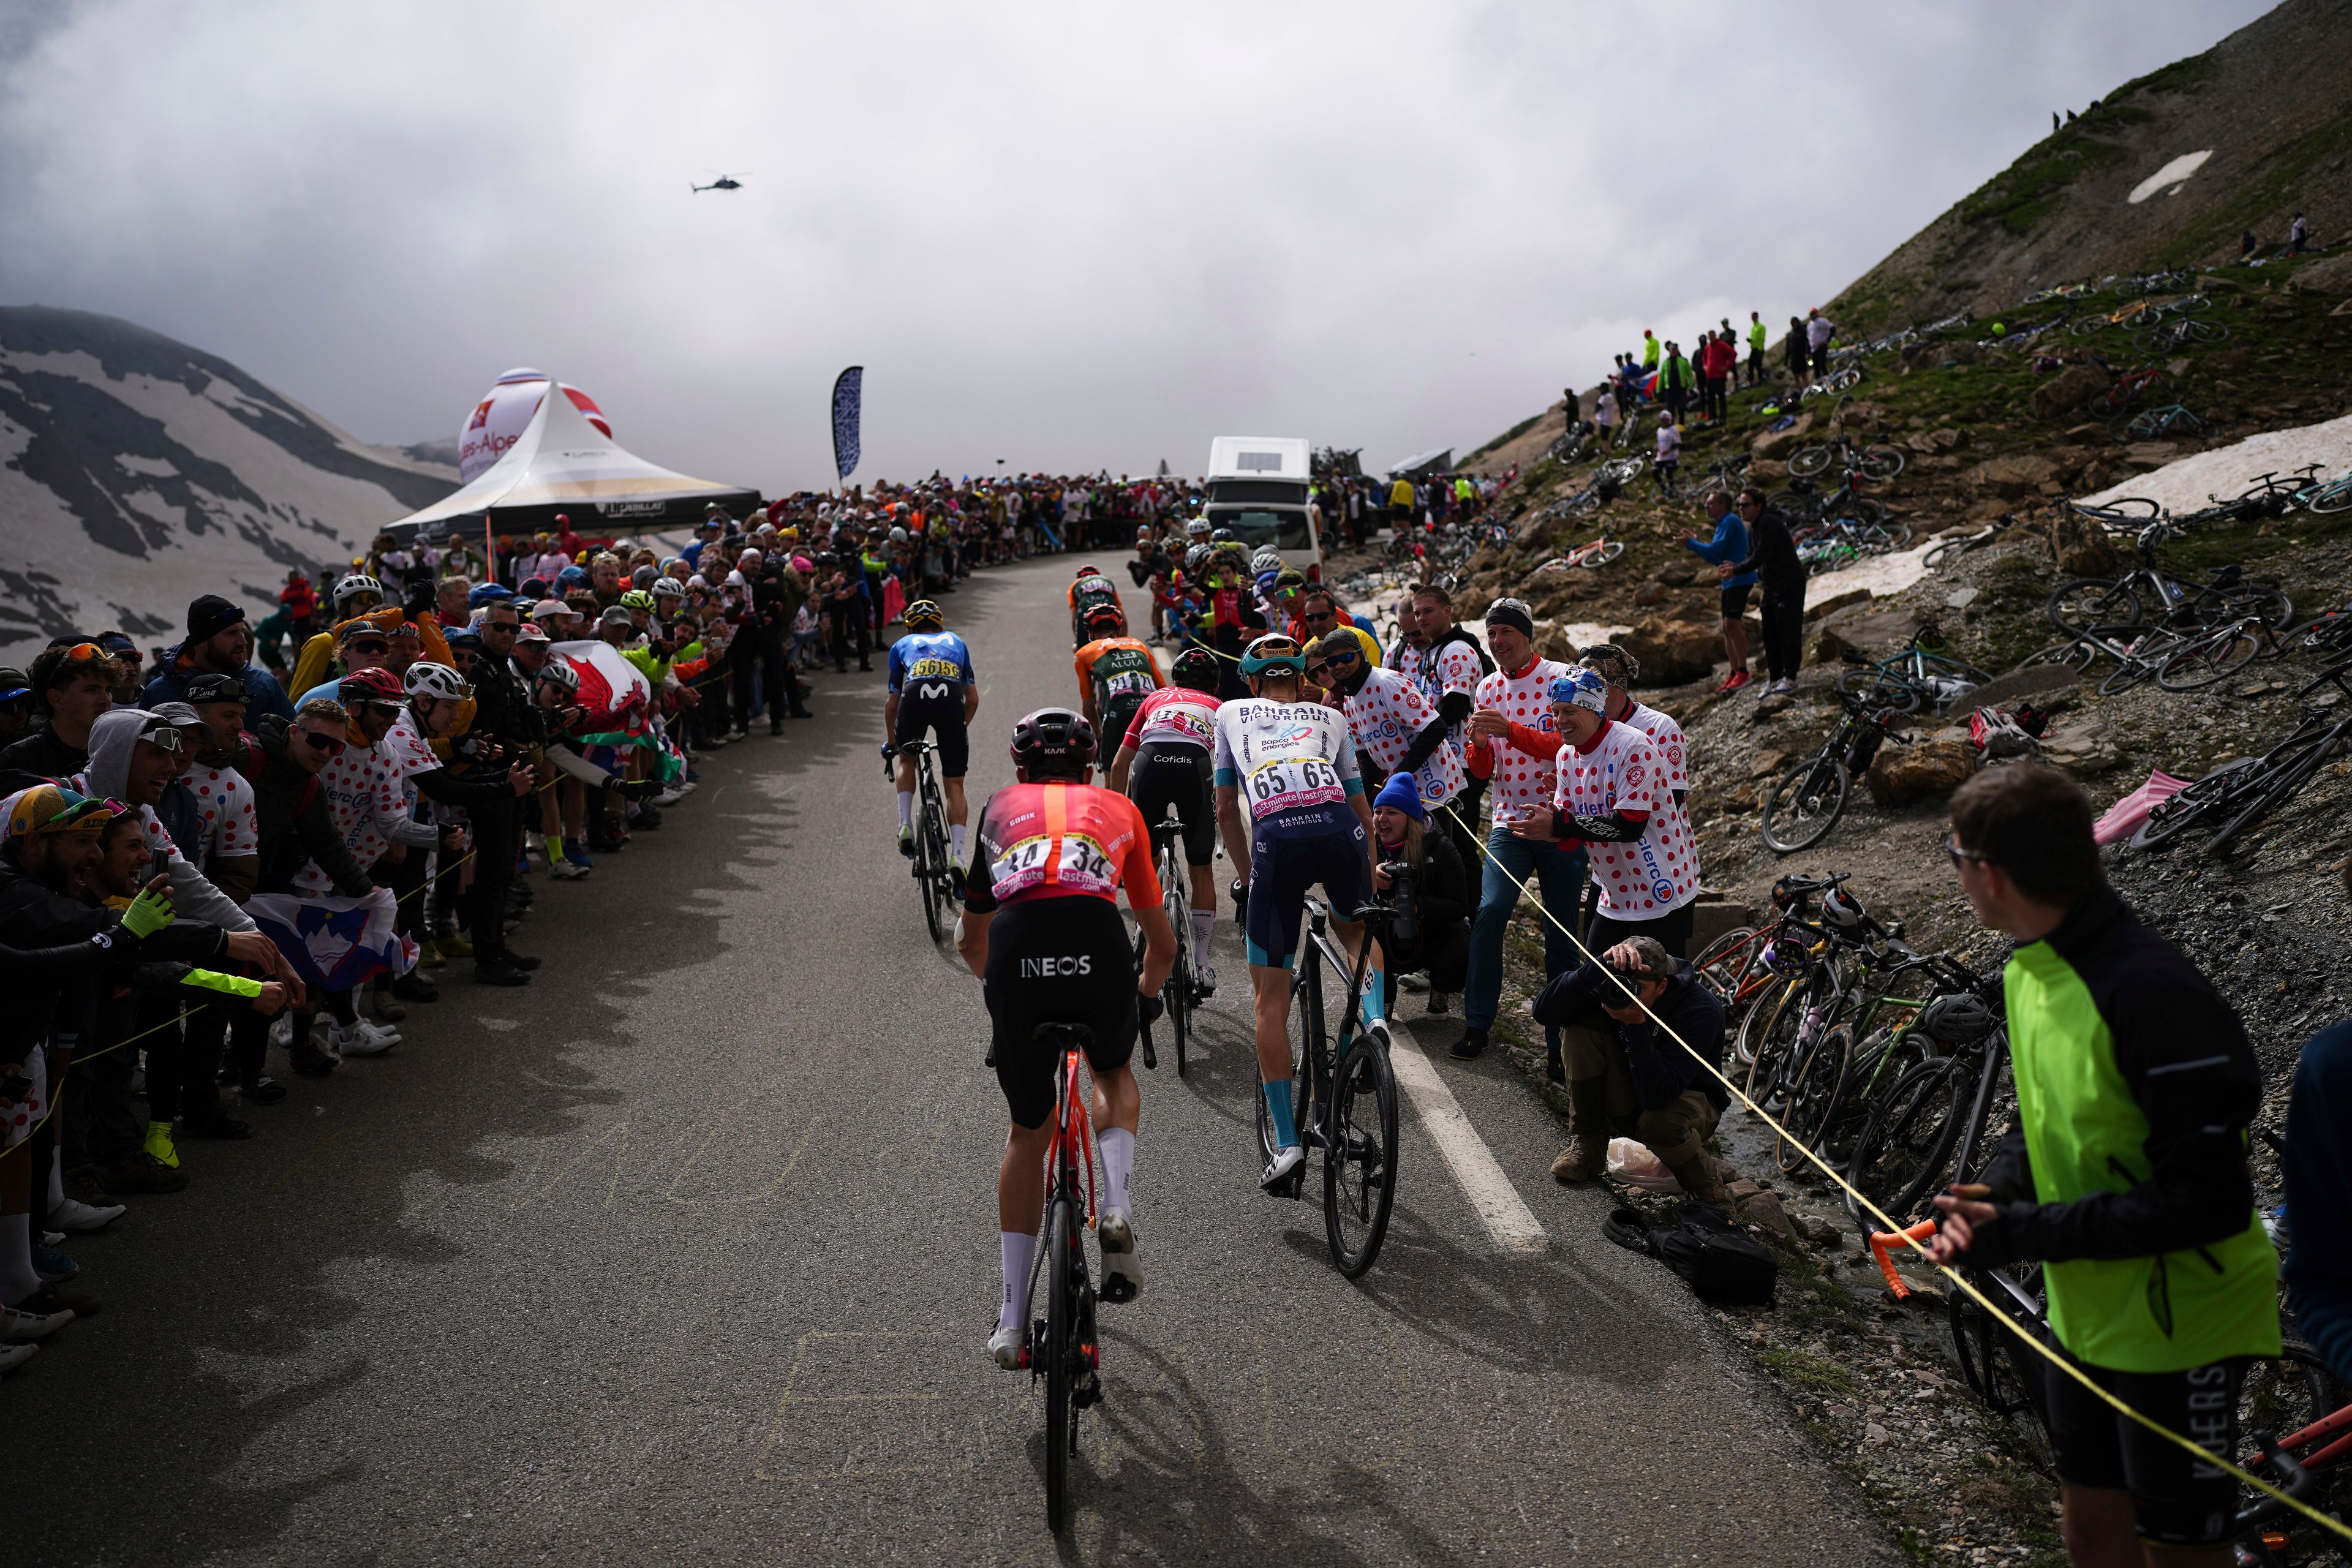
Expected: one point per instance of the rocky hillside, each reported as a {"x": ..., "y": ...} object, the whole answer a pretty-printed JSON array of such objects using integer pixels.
[
  {"x": 135, "y": 471},
  {"x": 2165, "y": 171}
]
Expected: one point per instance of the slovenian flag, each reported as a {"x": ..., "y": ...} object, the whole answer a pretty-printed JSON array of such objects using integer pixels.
[{"x": 335, "y": 943}]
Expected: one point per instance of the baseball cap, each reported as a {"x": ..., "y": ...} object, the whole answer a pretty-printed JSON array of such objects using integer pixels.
[
  {"x": 211, "y": 688},
  {"x": 531, "y": 631},
  {"x": 14, "y": 683}
]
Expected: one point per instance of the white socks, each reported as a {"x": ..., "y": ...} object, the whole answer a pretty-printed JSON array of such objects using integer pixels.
[
  {"x": 17, "y": 1278},
  {"x": 955, "y": 842},
  {"x": 1117, "y": 1147},
  {"x": 905, "y": 810},
  {"x": 1204, "y": 927},
  {"x": 1020, "y": 1249}
]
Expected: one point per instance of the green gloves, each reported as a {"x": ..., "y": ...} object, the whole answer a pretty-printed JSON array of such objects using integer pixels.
[{"x": 148, "y": 913}]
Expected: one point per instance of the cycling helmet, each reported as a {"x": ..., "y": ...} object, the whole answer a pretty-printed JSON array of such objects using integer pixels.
[
  {"x": 369, "y": 686},
  {"x": 1223, "y": 536},
  {"x": 637, "y": 599},
  {"x": 1195, "y": 669},
  {"x": 668, "y": 587},
  {"x": 434, "y": 682},
  {"x": 1959, "y": 1019},
  {"x": 1580, "y": 688},
  {"x": 1197, "y": 528},
  {"x": 1197, "y": 559},
  {"x": 1273, "y": 651},
  {"x": 355, "y": 584},
  {"x": 923, "y": 615},
  {"x": 1842, "y": 910},
  {"x": 1266, "y": 561},
  {"x": 898, "y": 536},
  {"x": 1054, "y": 741},
  {"x": 1107, "y": 618},
  {"x": 1089, "y": 571},
  {"x": 560, "y": 670},
  {"x": 487, "y": 594}
]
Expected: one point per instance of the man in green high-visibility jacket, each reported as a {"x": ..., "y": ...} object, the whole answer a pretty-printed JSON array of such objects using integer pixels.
[
  {"x": 1757, "y": 337},
  {"x": 2126, "y": 1177}
]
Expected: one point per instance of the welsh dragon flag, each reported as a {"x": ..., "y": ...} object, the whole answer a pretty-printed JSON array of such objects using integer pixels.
[{"x": 334, "y": 944}]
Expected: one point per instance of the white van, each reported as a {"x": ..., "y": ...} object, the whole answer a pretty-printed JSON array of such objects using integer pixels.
[{"x": 1258, "y": 487}]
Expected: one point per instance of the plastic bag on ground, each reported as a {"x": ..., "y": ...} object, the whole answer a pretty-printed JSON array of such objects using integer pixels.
[
  {"x": 2124, "y": 817},
  {"x": 1637, "y": 1165}
]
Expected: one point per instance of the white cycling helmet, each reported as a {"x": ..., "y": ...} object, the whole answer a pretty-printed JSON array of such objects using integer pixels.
[
  {"x": 358, "y": 582},
  {"x": 1266, "y": 561},
  {"x": 898, "y": 536},
  {"x": 668, "y": 587},
  {"x": 559, "y": 671},
  {"x": 433, "y": 681},
  {"x": 1198, "y": 528}
]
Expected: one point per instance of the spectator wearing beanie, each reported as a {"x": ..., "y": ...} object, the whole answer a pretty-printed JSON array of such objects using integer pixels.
[{"x": 219, "y": 642}]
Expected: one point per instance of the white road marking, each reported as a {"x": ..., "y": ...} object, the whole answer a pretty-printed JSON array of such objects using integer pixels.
[{"x": 1507, "y": 1218}]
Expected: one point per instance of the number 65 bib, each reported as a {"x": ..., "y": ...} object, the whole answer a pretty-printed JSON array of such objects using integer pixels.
[{"x": 1288, "y": 783}]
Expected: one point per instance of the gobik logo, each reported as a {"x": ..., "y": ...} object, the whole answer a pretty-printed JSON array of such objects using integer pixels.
[{"x": 1057, "y": 968}]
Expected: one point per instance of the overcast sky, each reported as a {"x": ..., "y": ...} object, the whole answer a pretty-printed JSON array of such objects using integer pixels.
[{"x": 1066, "y": 236}]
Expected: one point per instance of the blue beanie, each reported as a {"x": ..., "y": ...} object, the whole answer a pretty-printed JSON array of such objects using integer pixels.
[{"x": 1400, "y": 792}]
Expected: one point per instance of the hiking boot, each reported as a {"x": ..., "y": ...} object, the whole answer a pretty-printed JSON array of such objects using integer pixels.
[
  {"x": 1587, "y": 1154},
  {"x": 305, "y": 1058},
  {"x": 1699, "y": 1177},
  {"x": 158, "y": 1146},
  {"x": 1470, "y": 1047},
  {"x": 139, "y": 1173},
  {"x": 414, "y": 987},
  {"x": 455, "y": 946}
]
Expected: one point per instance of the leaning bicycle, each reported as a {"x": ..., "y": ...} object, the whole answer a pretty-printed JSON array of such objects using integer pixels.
[{"x": 1342, "y": 1083}]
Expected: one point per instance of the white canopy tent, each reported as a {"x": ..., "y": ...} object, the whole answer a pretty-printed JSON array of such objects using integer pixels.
[{"x": 563, "y": 463}]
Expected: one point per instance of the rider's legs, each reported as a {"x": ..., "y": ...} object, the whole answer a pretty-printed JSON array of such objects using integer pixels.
[{"x": 904, "y": 768}]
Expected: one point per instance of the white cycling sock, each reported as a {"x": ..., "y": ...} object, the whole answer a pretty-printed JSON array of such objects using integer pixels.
[
  {"x": 955, "y": 842},
  {"x": 17, "y": 1277},
  {"x": 1119, "y": 1165},
  {"x": 1204, "y": 926},
  {"x": 905, "y": 810},
  {"x": 1019, "y": 1249}
]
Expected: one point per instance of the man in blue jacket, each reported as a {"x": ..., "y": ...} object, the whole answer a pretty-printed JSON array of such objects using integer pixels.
[
  {"x": 1728, "y": 547},
  {"x": 218, "y": 643}
]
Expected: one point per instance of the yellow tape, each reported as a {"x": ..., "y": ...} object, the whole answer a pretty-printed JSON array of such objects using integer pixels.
[{"x": 1892, "y": 1225}]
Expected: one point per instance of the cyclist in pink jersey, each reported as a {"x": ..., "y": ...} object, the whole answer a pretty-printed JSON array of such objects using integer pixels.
[{"x": 1165, "y": 761}]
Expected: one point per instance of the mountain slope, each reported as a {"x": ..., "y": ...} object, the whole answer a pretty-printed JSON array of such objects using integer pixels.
[
  {"x": 136, "y": 472},
  {"x": 2266, "y": 104}
]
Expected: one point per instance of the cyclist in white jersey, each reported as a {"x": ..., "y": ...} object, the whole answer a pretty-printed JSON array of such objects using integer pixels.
[{"x": 1308, "y": 823}]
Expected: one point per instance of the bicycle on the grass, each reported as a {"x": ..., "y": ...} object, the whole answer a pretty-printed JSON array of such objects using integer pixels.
[
  {"x": 2146, "y": 595},
  {"x": 1180, "y": 995},
  {"x": 1880, "y": 462},
  {"x": 1342, "y": 1086},
  {"x": 1063, "y": 1349},
  {"x": 1918, "y": 675},
  {"x": 2155, "y": 423},
  {"x": 931, "y": 869}
]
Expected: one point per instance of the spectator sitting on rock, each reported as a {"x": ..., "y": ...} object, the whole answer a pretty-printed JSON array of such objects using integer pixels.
[{"x": 1628, "y": 1075}]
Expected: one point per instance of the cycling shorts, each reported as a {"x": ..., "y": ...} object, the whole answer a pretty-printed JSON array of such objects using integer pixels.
[
  {"x": 1065, "y": 959},
  {"x": 943, "y": 717},
  {"x": 1282, "y": 869},
  {"x": 2177, "y": 1499},
  {"x": 1165, "y": 775}
]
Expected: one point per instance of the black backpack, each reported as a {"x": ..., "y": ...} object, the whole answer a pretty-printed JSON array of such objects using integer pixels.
[{"x": 1719, "y": 1263}]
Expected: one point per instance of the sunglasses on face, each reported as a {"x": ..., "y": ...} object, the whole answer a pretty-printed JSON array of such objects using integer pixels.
[
  {"x": 381, "y": 710},
  {"x": 510, "y": 627},
  {"x": 318, "y": 740},
  {"x": 1960, "y": 857},
  {"x": 166, "y": 737},
  {"x": 372, "y": 647}
]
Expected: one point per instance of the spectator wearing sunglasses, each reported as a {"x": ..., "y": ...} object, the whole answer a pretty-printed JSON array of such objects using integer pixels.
[
  {"x": 73, "y": 684},
  {"x": 1319, "y": 613},
  {"x": 358, "y": 644},
  {"x": 219, "y": 642}
]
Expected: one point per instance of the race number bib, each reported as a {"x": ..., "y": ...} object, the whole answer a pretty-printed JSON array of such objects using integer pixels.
[
  {"x": 1293, "y": 782},
  {"x": 1078, "y": 865},
  {"x": 1129, "y": 683}
]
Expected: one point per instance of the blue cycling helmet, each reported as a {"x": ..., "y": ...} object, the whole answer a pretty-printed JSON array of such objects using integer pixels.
[
  {"x": 487, "y": 594},
  {"x": 1582, "y": 688},
  {"x": 1273, "y": 651},
  {"x": 572, "y": 577}
]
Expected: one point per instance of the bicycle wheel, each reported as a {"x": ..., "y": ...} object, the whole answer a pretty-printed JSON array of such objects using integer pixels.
[
  {"x": 2219, "y": 792},
  {"x": 931, "y": 870},
  {"x": 1777, "y": 1042},
  {"x": 2076, "y": 655},
  {"x": 1807, "y": 461},
  {"x": 1814, "y": 1098},
  {"x": 1882, "y": 462},
  {"x": 2202, "y": 332},
  {"x": 1755, "y": 1016},
  {"x": 1893, "y": 535},
  {"x": 2005, "y": 1377},
  {"x": 2269, "y": 605},
  {"x": 1882, "y": 689},
  {"x": 1176, "y": 904},
  {"x": 2333, "y": 496},
  {"x": 2078, "y": 605},
  {"x": 1723, "y": 964},
  {"x": 1903, "y": 1150},
  {"x": 2213, "y": 656},
  {"x": 2285, "y": 779},
  {"x": 1359, "y": 1160},
  {"x": 1603, "y": 552},
  {"x": 1805, "y": 806},
  {"x": 2090, "y": 326},
  {"x": 1061, "y": 1353}
]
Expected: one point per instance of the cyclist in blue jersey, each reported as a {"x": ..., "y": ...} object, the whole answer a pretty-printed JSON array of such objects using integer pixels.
[
  {"x": 932, "y": 687},
  {"x": 1307, "y": 823}
]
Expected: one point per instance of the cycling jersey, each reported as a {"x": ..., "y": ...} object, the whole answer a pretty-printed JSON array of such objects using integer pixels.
[
  {"x": 1118, "y": 673},
  {"x": 1521, "y": 765},
  {"x": 1174, "y": 715},
  {"x": 1057, "y": 840},
  {"x": 1384, "y": 716},
  {"x": 1293, "y": 763},
  {"x": 934, "y": 662},
  {"x": 226, "y": 802},
  {"x": 1620, "y": 771},
  {"x": 1664, "y": 734},
  {"x": 1450, "y": 666},
  {"x": 1088, "y": 591}
]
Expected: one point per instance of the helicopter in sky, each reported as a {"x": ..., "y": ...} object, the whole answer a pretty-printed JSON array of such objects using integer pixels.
[{"x": 723, "y": 182}]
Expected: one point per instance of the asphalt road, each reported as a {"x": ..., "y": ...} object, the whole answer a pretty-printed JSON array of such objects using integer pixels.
[{"x": 686, "y": 1253}]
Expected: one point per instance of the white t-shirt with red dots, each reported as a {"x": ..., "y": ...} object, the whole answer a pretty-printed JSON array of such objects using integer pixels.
[
  {"x": 1384, "y": 715},
  {"x": 228, "y": 801},
  {"x": 1521, "y": 778},
  {"x": 361, "y": 793},
  {"x": 1667, "y": 736},
  {"x": 1620, "y": 769}
]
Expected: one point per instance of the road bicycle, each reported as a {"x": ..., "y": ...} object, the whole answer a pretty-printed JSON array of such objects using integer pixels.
[
  {"x": 2325, "y": 496},
  {"x": 1916, "y": 676},
  {"x": 2126, "y": 393},
  {"x": 1592, "y": 556},
  {"x": 2293, "y": 1414},
  {"x": 2155, "y": 423},
  {"x": 2167, "y": 337},
  {"x": 1803, "y": 505},
  {"x": 2236, "y": 796},
  {"x": 930, "y": 867},
  {"x": 2176, "y": 659},
  {"x": 1342, "y": 1086},
  {"x": 2148, "y": 596},
  {"x": 1933, "y": 1116},
  {"x": 1878, "y": 463},
  {"x": 1811, "y": 797},
  {"x": 1064, "y": 1350},
  {"x": 1180, "y": 995}
]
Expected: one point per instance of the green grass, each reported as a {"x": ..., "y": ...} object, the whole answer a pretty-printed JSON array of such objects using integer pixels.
[
  {"x": 1809, "y": 1371},
  {"x": 2265, "y": 189}
]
